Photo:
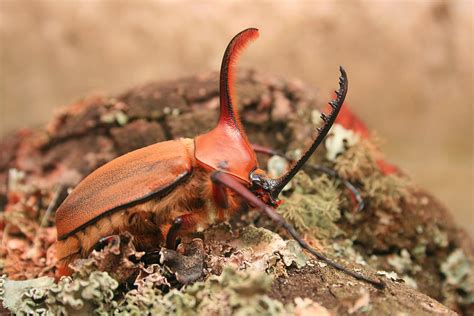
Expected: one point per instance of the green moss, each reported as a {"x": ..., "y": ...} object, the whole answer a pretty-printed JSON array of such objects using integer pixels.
[
  {"x": 313, "y": 206},
  {"x": 357, "y": 162},
  {"x": 386, "y": 192}
]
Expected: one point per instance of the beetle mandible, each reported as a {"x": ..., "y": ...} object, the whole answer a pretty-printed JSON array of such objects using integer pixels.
[{"x": 169, "y": 189}]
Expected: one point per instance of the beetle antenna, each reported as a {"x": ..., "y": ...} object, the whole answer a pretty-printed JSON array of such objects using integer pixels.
[
  {"x": 277, "y": 185},
  {"x": 228, "y": 112}
]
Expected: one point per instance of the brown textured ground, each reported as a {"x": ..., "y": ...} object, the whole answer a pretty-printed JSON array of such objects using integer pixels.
[
  {"x": 275, "y": 112},
  {"x": 337, "y": 293}
]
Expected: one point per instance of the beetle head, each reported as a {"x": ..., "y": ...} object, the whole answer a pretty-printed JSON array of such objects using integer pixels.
[{"x": 226, "y": 148}]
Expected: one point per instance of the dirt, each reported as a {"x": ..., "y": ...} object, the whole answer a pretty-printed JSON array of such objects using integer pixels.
[{"x": 338, "y": 294}]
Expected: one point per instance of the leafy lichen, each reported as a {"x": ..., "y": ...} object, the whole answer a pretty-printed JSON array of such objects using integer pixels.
[
  {"x": 459, "y": 276},
  {"x": 93, "y": 294},
  {"x": 231, "y": 293}
]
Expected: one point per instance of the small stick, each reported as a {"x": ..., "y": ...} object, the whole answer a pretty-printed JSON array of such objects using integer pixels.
[{"x": 44, "y": 220}]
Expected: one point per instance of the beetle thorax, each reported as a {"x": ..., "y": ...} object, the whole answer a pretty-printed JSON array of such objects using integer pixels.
[{"x": 225, "y": 149}]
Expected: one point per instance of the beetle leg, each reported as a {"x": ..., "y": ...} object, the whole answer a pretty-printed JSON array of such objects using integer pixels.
[
  {"x": 349, "y": 186},
  {"x": 104, "y": 241},
  {"x": 171, "y": 237},
  {"x": 223, "y": 179},
  {"x": 270, "y": 152},
  {"x": 355, "y": 193},
  {"x": 180, "y": 225}
]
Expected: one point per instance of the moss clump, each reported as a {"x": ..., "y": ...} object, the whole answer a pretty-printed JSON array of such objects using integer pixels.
[
  {"x": 313, "y": 206},
  {"x": 386, "y": 192},
  {"x": 359, "y": 164},
  {"x": 358, "y": 161}
]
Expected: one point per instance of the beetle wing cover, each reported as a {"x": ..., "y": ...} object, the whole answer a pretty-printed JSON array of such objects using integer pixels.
[{"x": 127, "y": 179}]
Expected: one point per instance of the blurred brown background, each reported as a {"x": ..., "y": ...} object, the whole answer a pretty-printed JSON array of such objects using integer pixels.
[{"x": 410, "y": 65}]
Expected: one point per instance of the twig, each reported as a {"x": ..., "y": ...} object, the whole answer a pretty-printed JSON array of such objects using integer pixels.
[{"x": 52, "y": 205}]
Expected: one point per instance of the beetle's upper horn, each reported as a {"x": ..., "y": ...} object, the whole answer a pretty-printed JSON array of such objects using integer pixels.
[
  {"x": 278, "y": 184},
  {"x": 228, "y": 112},
  {"x": 226, "y": 147}
]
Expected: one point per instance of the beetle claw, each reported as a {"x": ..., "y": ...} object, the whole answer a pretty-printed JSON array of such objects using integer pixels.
[{"x": 105, "y": 241}]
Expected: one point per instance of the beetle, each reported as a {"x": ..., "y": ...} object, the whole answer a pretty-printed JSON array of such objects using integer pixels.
[{"x": 167, "y": 190}]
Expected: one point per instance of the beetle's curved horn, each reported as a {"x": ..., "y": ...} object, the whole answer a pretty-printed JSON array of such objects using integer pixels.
[
  {"x": 226, "y": 147},
  {"x": 228, "y": 112},
  {"x": 278, "y": 184}
]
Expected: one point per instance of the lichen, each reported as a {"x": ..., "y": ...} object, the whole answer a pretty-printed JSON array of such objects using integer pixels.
[
  {"x": 339, "y": 140},
  {"x": 357, "y": 162},
  {"x": 231, "y": 293},
  {"x": 345, "y": 249},
  {"x": 307, "y": 306},
  {"x": 313, "y": 206},
  {"x": 265, "y": 251},
  {"x": 93, "y": 294},
  {"x": 115, "y": 116},
  {"x": 386, "y": 192},
  {"x": 27, "y": 233},
  {"x": 459, "y": 276}
]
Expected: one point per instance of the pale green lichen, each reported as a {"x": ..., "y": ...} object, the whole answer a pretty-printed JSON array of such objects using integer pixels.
[
  {"x": 403, "y": 265},
  {"x": 345, "y": 249},
  {"x": 11, "y": 292},
  {"x": 440, "y": 237},
  {"x": 171, "y": 111},
  {"x": 419, "y": 252},
  {"x": 115, "y": 116},
  {"x": 313, "y": 206},
  {"x": 338, "y": 140},
  {"x": 94, "y": 294},
  {"x": 402, "y": 262},
  {"x": 232, "y": 293},
  {"x": 459, "y": 275},
  {"x": 263, "y": 250}
]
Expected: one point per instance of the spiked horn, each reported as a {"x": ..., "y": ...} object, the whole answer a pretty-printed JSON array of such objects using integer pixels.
[{"x": 277, "y": 185}]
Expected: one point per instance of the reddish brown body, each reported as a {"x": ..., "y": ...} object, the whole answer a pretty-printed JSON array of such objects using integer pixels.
[
  {"x": 184, "y": 188},
  {"x": 145, "y": 190},
  {"x": 167, "y": 190}
]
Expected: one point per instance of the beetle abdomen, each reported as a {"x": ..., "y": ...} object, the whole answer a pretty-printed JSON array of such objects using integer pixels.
[
  {"x": 132, "y": 178},
  {"x": 148, "y": 222}
]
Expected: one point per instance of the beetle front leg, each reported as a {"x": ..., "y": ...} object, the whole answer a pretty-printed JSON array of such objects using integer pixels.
[
  {"x": 269, "y": 152},
  {"x": 180, "y": 225},
  {"x": 104, "y": 241},
  {"x": 171, "y": 237}
]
